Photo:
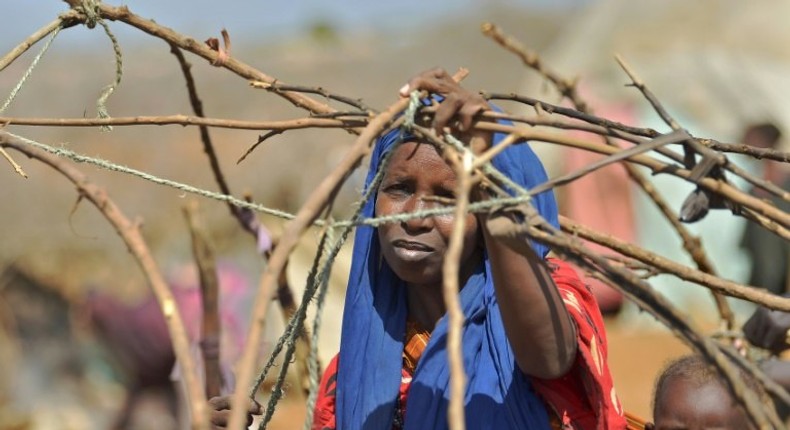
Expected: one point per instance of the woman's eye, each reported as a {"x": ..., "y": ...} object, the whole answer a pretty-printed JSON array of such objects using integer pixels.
[{"x": 396, "y": 189}]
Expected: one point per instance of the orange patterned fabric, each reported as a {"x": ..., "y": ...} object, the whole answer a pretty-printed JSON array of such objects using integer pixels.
[{"x": 415, "y": 342}]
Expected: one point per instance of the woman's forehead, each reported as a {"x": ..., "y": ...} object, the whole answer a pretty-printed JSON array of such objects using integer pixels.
[
  {"x": 409, "y": 148},
  {"x": 418, "y": 157}
]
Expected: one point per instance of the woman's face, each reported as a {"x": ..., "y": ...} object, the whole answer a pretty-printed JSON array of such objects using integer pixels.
[{"x": 415, "y": 249}]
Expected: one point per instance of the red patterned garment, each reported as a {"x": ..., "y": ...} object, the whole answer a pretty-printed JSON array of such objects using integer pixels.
[{"x": 584, "y": 399}]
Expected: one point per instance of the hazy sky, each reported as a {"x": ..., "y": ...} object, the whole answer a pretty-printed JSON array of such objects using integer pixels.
[{"x": 248, "y": 18}]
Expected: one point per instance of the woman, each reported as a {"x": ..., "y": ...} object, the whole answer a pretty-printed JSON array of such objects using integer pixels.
[
  {"x": 528, "y": 355},
  {"x": 534, "y": 349}
]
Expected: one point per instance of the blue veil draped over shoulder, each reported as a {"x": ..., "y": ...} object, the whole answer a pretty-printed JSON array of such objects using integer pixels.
[{"x": 498, "y": 395}]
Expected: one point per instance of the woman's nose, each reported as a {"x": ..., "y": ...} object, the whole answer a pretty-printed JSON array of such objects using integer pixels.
[{"x": 417, "y": 224}]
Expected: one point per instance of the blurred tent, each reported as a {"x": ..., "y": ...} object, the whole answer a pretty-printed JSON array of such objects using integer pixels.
[{"x": 717, "y": 66}]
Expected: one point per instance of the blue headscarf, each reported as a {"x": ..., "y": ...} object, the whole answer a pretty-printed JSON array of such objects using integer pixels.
[{"x": 498, "y": 395}]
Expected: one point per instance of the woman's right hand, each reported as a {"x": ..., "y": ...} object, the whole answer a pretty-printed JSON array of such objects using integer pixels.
[
  {"x": 458, "y": 110},
  {"x": 220, "y": 411}
]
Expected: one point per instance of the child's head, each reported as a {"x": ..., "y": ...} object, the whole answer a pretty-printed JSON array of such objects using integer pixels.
[{"x": 690, "y": 395}]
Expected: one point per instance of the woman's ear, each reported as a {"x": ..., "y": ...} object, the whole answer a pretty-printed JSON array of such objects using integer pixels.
[{"x": 650, "y": 426}]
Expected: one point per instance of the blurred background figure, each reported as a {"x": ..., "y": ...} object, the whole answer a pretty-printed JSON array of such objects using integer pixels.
[
  {"x": 138, "y": 339},
  {"x": 769, "y": 253}
]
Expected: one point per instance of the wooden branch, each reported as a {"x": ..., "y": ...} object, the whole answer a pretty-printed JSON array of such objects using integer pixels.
[
  {"x": 187, "y": 120},
  {"x": 450, "y": 270},
  {"x": 544, "y": 119},
  {"x": 571, "y": 113},
  {"x": 759, "y": 182},
  {"x": 771, "y": 386},
  {"x": 202, "y": 50},
  {"x": 566, "y": 87},
  {"x": 209, "y": 292},
  {"x": 713, "y": 158},
  {"x": 621, "y": 155},
  {"x": 65, "y": 20},
  {"x": 758, "y": 153},
  {"x": 205, "y": 137},
  {"x": 130, "y": 234}
]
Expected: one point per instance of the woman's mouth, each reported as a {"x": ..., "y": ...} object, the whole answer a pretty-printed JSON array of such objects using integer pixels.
[{"x": 410, "y": 250}]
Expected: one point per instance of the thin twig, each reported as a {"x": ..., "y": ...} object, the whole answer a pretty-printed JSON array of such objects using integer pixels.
[
  {"x": 759, "y": 182},
  {"x": 205, "y": 137},
  {"x": 260, "y": 140},
  {"x": 65, "y": 20},
  {"x": 771, "y": 386},
  {"x": 17, "y": 167},
  {"x": 758, "y": 153},
  {"x": 187, "y": 120},
  {"x": 277, "y": 87}
]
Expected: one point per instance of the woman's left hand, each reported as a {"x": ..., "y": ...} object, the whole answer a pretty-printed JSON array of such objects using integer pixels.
[{"x": 458, "y": 103}]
